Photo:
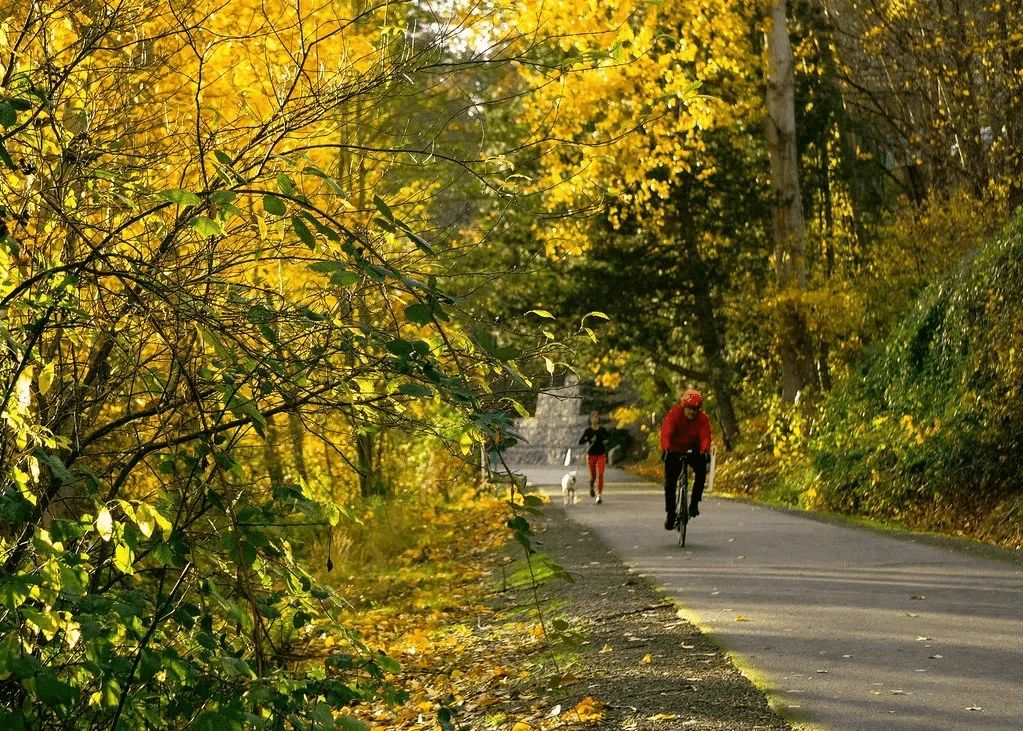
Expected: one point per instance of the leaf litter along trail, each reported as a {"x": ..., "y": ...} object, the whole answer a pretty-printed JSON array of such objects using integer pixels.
[
  {"x": 610, "y": 652},
  {"x": 652, "y": 669}
]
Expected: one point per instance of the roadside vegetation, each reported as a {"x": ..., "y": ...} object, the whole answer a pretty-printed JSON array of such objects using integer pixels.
[{"x": 275, "y": 276}]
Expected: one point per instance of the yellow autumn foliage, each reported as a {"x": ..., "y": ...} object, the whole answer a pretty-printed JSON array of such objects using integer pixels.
[{"x": 627, "y": 116}]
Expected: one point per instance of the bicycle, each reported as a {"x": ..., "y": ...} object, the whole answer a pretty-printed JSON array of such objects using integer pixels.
[{"x": 682, "y": 501}]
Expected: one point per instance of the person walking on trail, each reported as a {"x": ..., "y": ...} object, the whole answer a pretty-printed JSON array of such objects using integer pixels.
[
  {"x": 685, "y": 438},
  {"x": 596, "y": 456}
]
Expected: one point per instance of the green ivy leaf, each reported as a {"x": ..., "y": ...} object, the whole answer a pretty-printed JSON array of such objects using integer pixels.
[
  {"x": 111, "y": 692},
  {"x": 163, "y": 554}
]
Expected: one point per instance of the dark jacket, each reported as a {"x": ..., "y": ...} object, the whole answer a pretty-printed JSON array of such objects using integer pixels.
[{"x": 596, "y": 438}]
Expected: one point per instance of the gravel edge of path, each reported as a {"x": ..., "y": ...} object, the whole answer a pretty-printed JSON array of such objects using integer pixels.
[{"x": 654, "y": 669}]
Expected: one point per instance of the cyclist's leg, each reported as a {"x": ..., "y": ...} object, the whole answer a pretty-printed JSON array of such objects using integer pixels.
[
  {"x": 672, "y": 469},
  {"x": 699, "y": 464},
  {"x": 591, "y": 462},
  {"x": 601, "y": 464}
]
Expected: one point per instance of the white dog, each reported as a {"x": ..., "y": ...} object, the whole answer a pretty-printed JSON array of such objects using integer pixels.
[{"x": 568, "y": 487}]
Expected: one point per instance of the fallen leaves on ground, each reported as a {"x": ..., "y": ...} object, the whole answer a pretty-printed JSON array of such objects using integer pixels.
[{"x": 458, "y": 655}]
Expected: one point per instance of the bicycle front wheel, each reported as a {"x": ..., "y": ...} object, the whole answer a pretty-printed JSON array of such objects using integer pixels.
[{"x": 682, "y": 507}]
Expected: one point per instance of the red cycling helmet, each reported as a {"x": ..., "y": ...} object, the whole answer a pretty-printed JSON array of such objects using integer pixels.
[{"x": 692, "y": 400}]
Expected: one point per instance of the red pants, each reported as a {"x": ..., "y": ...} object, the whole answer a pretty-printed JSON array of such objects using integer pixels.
[{"x": 597, "y": 462}]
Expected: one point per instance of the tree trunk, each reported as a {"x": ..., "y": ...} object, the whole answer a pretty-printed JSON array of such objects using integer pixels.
[
  {"x": 370, "y": 483},
  {"x": 790, "y": 264},
  {"x": 708, "y": 333},
  {"x": 709, "y": 336}
]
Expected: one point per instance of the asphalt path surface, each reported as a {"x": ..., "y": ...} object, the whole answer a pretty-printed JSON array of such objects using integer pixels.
[{"x": 846, "y": 627}]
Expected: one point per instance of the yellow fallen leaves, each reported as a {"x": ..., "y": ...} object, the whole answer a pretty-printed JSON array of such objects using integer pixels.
[
  {"x": 589, "y": 709},
  {"x": 427, "y": 610},
  {"x": 586, "y": 711},
  {"x": 647, "y": 659}
]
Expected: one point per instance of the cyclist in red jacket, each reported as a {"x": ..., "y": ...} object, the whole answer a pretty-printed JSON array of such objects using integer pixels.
[{"x": 685, "y": 437}]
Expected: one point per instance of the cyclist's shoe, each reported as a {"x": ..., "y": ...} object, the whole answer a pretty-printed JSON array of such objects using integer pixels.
[
  {"x": 600, "y": 499},
  {"x": 694, "y": 510},
  {"x": 669, "y": 522}
]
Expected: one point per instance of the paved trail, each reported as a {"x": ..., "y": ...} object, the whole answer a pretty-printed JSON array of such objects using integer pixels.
[{"x": 850, "y": 628}]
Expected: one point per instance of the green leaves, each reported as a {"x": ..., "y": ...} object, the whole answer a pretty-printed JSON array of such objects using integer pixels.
[
  {"x": 415, "y": 389},
  {"x": 181, "y": 197},
  {"x": 419, "y": 313},
  {"x": 339, "y": 273},
  {"x": 56, "y": 467},
  {"x": 8, "y": 115},
  {"x": 389, "y": 222},
  {"x": 206, "y": 226},
  {"x": 522, "y": 532},
  {"x": 488, "y": 342},
  {"x": 303, "y": 232},
  {"x": 104, "y": 524},
  {"x": 14, "y": 590},
  {"x": 274, "y": 205},
  {"x": 52, "y": 692},
  {"x": 5, "y": 156},
  {"x": 124, "y": 558}
]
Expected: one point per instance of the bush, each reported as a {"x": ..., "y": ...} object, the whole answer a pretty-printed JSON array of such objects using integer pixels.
[{"x": 935, "y": 414}]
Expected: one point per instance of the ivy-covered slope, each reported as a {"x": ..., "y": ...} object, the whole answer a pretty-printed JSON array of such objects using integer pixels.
[{"x": 931, "y": 430}]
